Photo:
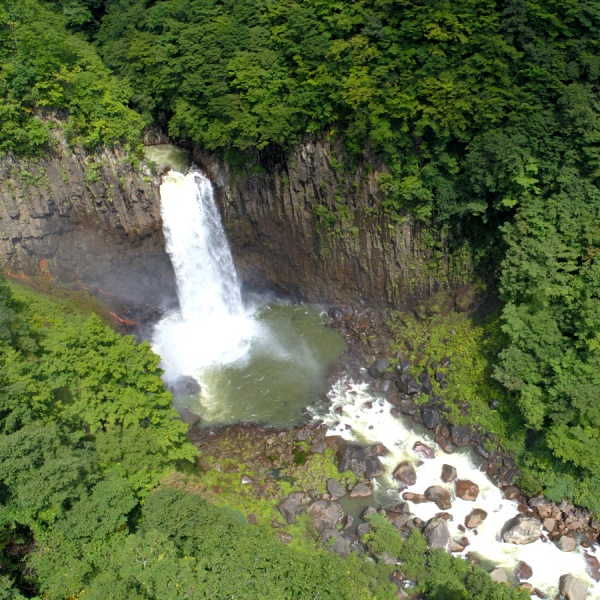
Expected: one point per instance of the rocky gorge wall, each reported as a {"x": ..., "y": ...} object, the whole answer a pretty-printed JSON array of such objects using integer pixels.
[
  {"x": 317, "y": 231},
  {"x": 93, "y": 218},
  {"x": 300, "y": 223}
]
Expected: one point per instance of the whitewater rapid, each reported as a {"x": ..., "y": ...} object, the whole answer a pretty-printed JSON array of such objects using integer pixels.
[{"x": 358, "y": 415}]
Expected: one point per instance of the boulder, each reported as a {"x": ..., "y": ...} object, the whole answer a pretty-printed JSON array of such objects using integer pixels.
[
  {"x": 318, "y": 448},
  {"x": 466, "y": 490},
  {"x": 522, "y": 529},
  {"x": 459, "y": 545},
  {"x": 360, "y": 490},
  {"x": 475, "y": 518},
  {"x": 441, "y": 496},
  {"x": 549, "y": 524},
  {"x": 379, "y": 367},
  {"x": 352, "y": 458},
  {"x": 291, "y": 506},
  {"x": 325, "y": 514},
  {"x": 407, "y": 406},
  {"x": 425, "y": 380},
  {"x": 334, "y": 488},
  {"x": 430, "y": 416},
  {"x": 445, "y": 444},
  {"x": 415, "y": 498},
  {"x": 184, "y": 387},
  {"x": 363, "y": 529},
  {"x": 572, "y": 588},
  {"x": 378, "y": 449},
  {"x": 511, "y": 492},
  {"x": 403, "y": 522},
  {"x": 566, "y": 543},
  {"x": 303, "y": 434},
  {"x": 368, "y": 513},
  {"x": 423, "y": 451},
  {"x": 402, "y": 508},
  {"x": 373, "y": 467},
  {"x": 403, "y": 365},
  {"x": 459, "y": 435},
  {"x": 482, "y": 451},
  {"x": 437, "y": 534},
  {"x": 448, "y": 473},
  {"x": 408, "y": 385},
  {"x": 334, "y": 541},
  {"x": 592, "y": 565},
  {"x": 523, "y": 571},
  {"x": 499, "y": 575},
  {"x": 405, "y": 473}
]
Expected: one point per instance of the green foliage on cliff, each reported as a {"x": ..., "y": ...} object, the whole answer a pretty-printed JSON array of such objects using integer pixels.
[{"x": 49, "y": 78}]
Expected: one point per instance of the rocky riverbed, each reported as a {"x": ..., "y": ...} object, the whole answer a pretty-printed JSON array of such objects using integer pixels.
[{"x": 452, "y": 482}]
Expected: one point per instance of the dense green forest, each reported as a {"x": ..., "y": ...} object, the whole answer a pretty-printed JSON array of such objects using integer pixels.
[
  {"x": 486, "y": 112},
  {"x": 87, "y": 509}
]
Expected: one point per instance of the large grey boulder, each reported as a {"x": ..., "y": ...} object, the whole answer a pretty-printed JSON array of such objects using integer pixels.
[
  {"x": 335, "y": 541},
  {"x": 184, "y": 387},
  {"x": 466, "y": 490},
  {"x": 423, "y": 450},
  {"x": 405, "y": 473},
  {"x": 523, "y": 571},
  {"x": 325, "y": 514},
  {"x": 430, "y": 415},
  {"x": 334, "y": 488},
  {"x": 592, "y": 566},
  {"x": 566, "y": 543},
  {"x": 291, "y": 506},
  {"x": 437, "y": 534},
  {"x": 379, "y": 367},
  {"x": 448, "y": 473},
  {"x": 459, "y": 434},
  {"x": 522, "y": 529},
  {"x": 499, "y": 575},
  {"x": 441, "y": 496},
  {"x": 572, "y": 588},
  {"x": 408, "y": 385},
  {"x": 360, "y": 490},
  {"x": 475, "y": 518},
  {"x": 352, "y": 458},
  {"x": 373, "y": 467}
]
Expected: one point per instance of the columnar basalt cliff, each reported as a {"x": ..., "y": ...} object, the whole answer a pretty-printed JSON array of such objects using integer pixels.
[
  {"x": 299, "y": 222},
  {"x": 72, "y": 215},
  {"x": 318, "y": 231}
]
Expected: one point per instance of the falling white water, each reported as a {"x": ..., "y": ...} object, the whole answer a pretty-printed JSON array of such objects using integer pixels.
[
  {"x": 211, "y": 326},
  {"x": 357, "y": 415},
  {"x": 264, "y": 364}
]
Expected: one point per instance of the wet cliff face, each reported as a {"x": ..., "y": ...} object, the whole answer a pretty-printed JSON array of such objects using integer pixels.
[
  {"x": 92, "y": 218},
  {"x": 315, "y": 229}
]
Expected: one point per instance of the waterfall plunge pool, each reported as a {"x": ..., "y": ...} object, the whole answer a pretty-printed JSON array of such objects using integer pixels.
[
  {"x": 277, "y": 372},
  {"x": 263, "y": 363}
]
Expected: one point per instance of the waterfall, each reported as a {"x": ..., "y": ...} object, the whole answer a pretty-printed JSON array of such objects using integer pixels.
[
  {"x": 211, "y": 326},
  {"x": 207, "y": 283}
]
